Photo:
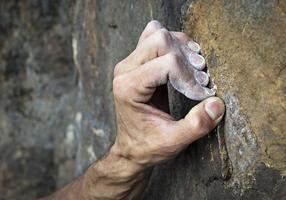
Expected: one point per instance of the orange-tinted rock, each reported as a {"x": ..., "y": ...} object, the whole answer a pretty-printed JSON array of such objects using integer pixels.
[{"x": 245, "y": 47}]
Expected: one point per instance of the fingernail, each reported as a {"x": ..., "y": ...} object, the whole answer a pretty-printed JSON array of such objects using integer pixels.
[
  {"x": 197, "y": 61},
  {"x": 194, "y": 46},
  {"x": 215, "y": 108},
  {"x": 202, "y": 78}
]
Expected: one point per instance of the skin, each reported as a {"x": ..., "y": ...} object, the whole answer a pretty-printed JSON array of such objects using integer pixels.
[{"x": 146, "y": 133}]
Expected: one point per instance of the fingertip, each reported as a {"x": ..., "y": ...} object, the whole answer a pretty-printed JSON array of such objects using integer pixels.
[
  {"x": 194, "y": 46},
  {"x": 215, "y": 108},
  {"x": 150, "y": 28},
  {"x": 154, "y": 24},
  {"x": 197, "y": 61},
  {"x": 201, "y": 119},
  {"x": 202, "y": 78},
  {"x": 197, "y": 92}
]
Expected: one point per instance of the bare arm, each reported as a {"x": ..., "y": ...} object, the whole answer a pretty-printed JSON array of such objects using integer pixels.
[
  {"x": 110, "y": 178},
  {"x": 146, "y": 133}
]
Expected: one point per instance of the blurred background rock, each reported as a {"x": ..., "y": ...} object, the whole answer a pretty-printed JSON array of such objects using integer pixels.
[{"x": 38, "y": 104}]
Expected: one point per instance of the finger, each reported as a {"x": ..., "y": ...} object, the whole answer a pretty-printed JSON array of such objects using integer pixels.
[
  {"x": 191, "y": 89},
  {"x": 202, "y": 78},
  {"x": 162, "y": 41},
  {"x": 182, "y": 37},
  {"x": 155, "y": 25},
  {"x": 201, "y": 120},
  {"x": 138, "y": 85},
  {"x": 158, "y": 44},
  {"x": 154, "y": 35},
  {"x": 150, "y": 28},
  {"x": 133, "y": 60},
  {"x": 197, "y": 61},
  {"x": 194, "y": 46}
]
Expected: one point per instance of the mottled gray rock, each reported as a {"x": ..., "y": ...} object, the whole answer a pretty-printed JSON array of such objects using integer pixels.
[{"x": 38, "y": 89}]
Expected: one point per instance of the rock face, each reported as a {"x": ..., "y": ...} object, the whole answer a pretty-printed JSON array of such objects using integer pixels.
[
  {"x": 38, "y": 86},
  {"x": 245, "y": 47},
  {"x": 57, "y": 113}
]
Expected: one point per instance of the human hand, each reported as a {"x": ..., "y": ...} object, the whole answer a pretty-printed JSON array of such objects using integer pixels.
[{"x": 145, "y": 134}]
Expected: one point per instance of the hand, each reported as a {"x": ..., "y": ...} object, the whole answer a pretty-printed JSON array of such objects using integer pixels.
[{"x": 146, "y": 133}]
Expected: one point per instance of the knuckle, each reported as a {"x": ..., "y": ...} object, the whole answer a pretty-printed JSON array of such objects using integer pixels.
[
  {"x": 201, "y": 125},
  {"x": 175, "y": 59},
  {"x": 184, "y": 36},
  {"x": 123, "y": 88},
  {"x": 118, "y": 87},
  {"x": 153, "y": 25},
  {"x": 197, "y": 124},
  {"x": 117, "y": 68},
  {"x": 164, "y": 37}
]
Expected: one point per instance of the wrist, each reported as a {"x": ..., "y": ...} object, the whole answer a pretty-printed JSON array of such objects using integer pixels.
[
  {"x": 114, "y": 176},
  {"x": 116, "y": 167}
]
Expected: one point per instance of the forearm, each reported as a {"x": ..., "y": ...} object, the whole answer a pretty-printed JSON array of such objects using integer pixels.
[
  {"x": 116, "y": 177},
  {"x": 112, "y": 177}
]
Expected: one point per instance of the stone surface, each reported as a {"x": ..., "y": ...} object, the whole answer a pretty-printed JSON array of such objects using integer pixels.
[
  {"x": 59, "y": 115},
  {"x": 239, "y": 41},
  {"x": 38, "y": 86},
  {"x": 246, "y": 51}
]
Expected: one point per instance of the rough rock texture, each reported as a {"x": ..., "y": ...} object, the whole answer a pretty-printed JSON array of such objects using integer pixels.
[
  {"x": 38, "y": 86},
  {"x": 246, "y": 42},
  {"x": 56, "y": 108},
  {"x": 244, "y": 45},
  {"x": 246, "y": 50}
]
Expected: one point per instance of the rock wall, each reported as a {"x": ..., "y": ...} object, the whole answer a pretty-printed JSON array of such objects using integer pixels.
[
  {"x": 38, "y": 90},
  {"x": 57, "y": 112},
  {"x": 245, "y": 157},
  {"x": 244, "y": 45}
]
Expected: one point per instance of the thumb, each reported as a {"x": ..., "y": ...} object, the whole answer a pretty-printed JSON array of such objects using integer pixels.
[{"x": 201, "y": 120}]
